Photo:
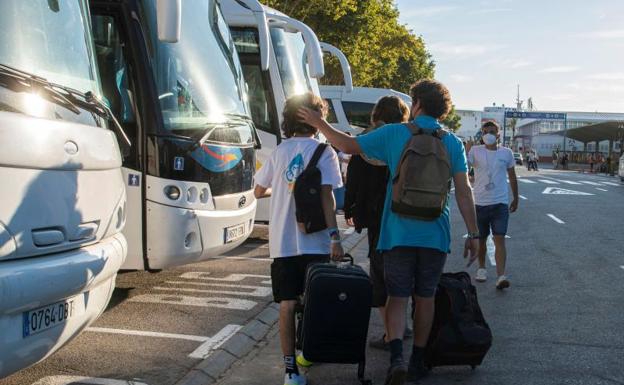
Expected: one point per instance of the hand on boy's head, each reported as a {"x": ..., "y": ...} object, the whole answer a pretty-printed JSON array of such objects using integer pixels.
[{"x": 309, "y": 116}]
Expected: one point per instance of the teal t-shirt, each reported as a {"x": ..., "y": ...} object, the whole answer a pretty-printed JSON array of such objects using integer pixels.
[{"x": 386, "y": 144}]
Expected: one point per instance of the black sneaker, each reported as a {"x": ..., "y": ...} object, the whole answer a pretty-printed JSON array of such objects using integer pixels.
[
  {"x": 380, "y": 343},
  {"x": 416, "y": 370},
  {"x": 396, "y": 373}
]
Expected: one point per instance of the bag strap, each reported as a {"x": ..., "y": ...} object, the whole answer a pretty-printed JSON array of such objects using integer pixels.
[
  {"x": 416, "y": 130},
  {"x": 316, "y": 156}
]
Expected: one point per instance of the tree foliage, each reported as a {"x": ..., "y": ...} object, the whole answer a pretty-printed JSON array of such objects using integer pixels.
[{"x": 382, "y": 52}]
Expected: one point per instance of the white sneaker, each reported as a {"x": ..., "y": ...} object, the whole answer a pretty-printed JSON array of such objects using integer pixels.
[
  {"x": 294, "y": 379},
  {"x": 481, "y": 275},
  {"x": 502, "y": 282}
]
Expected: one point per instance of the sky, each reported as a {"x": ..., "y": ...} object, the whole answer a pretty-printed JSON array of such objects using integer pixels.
[{"x": 567, "y": 55}]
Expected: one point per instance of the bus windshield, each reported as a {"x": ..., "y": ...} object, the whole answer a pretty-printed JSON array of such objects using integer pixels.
[
  {"x": 50, "y": 39},
  {"x": 292, "y": 60},
  {"x": 199, "y": 78}
]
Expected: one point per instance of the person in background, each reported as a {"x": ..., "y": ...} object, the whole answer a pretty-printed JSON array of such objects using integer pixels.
[
  {"x": 555, "y": 159},
  {"x": 291, "y": 249},
  {"x": 493, "y": 165},
  {"x": 414, "y": 250},
  {"x": 364, "y": 202}
]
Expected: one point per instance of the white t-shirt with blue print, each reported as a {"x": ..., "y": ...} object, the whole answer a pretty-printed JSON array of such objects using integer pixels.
[
  {"x": 386, "y": 144},
  {"x": 279, "y": 173}
]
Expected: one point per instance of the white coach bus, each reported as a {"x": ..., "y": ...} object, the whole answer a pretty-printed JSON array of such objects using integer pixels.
[
  {"x": 351, "y": 111},
  {"x": 62, "y": 202},
  {"x": 281, "y": 57},
  {"x": 178, "y": 91}
]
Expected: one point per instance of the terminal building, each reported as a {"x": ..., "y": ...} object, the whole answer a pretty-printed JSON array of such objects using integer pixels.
[{"x": 570, "y": 131}]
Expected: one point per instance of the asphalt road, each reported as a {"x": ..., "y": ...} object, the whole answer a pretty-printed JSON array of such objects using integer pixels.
[
  {"x": 158, "y": 325},
  {"x": 561, "y": 321}
]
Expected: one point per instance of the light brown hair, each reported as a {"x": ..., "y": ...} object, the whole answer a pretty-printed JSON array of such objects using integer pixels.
[
  {"x": 434, "y": 98},
  {"x": 291, "y": 124},
  {"x": 390, "y": 109}
]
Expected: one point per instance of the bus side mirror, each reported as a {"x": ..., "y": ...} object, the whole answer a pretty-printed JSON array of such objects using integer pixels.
[{"x": 169, "y": 20}]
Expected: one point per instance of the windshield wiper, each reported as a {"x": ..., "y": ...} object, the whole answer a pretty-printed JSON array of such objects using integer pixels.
[
  {"x": 65, "y": 96},
  {"x": 247, "y": 118}
]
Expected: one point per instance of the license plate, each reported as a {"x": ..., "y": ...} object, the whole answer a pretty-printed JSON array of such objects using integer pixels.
[
  {"x": 234, "y": 232},
  {"x": 47, "y": 317}
]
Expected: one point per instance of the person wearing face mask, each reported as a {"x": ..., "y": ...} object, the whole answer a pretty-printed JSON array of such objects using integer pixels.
[{"x": 493, "y": 164}]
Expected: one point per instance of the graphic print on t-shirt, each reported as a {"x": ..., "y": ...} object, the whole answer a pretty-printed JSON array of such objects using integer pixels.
[{"x": 294, "y": 169}]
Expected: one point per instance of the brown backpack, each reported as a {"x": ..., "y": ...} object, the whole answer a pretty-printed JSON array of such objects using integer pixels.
[{"x": 423, "y": 177}]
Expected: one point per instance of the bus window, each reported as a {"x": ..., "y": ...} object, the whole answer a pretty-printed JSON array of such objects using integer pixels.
[
  {"x": 358, "y": 113},
  {"x": 116, "y": 81},
  {"x": 258, "y": 84},
  {"x": 331, "y": 113}
]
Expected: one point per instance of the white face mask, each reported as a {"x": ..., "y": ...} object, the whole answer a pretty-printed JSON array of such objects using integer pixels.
[{"x": 489, "y": 139}]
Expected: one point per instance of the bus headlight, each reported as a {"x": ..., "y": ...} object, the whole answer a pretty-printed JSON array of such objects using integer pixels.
[{"x": 172, "y": 192}]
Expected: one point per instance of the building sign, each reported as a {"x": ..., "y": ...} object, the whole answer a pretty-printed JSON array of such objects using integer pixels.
[{"x": 535, "y": 115}]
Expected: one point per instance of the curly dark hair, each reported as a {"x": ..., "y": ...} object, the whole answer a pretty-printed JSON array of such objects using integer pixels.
[
  {"x": 434, "y": 97},
  {"x": 390, "y": 109},
  {"x": 291, "y": 124}
]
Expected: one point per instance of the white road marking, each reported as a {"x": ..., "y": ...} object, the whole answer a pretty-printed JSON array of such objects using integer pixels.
[
  {"x": 563, "y": 191},
  {"x": 253, "y": 291},
  {"x": 569, "y": 182},
  {"x": 526, "y": 181},
  {"x": 349, "y": 231},
  {"x": 69, "y": 380},
  {"x": 522, "y": 197},
  {"x": 142, "y": 333},
  {"x": 209, "y": 344},
  {"x": 554, "y": 218},
  {"x": 612, "y": 184},
  {"x": 591, "y": 183},
  {"x": 204, "y": 275},
  {"x": 622, "y": 266},
  {"x": 601, "y": 189},
  {"x": 547, "y": 181},
  {"x": 218, "y": 302},
  {"x": 212, "y": 344}
]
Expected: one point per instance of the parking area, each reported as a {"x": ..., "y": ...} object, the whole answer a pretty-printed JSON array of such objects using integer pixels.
[{"x": 160, "y": 325}]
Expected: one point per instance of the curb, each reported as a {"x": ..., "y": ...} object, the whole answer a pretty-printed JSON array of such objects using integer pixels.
[{"x": 209, "y": 370}]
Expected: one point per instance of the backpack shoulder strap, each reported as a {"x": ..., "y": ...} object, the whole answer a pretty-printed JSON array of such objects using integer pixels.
[
  {"x": 316, "y": 156},
  {"x": 441, "y": 133},
  {"x": 414, "y": 129}
]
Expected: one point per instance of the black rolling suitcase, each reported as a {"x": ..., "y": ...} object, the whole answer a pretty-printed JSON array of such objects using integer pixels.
[
  {"x": 336, "y": 312},
  {"x": 460, "y": 335}
]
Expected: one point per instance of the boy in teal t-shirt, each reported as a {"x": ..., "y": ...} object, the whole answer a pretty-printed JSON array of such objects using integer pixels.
[{"x": 414, "y": 251}]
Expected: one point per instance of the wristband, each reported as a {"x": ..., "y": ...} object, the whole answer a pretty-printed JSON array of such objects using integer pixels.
[{"x": 333, "y": 232}]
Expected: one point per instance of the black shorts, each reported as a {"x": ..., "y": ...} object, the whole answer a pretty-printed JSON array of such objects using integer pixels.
[
  {"x": 413, "y": 270},
  {"x": 288, "y": 275}
]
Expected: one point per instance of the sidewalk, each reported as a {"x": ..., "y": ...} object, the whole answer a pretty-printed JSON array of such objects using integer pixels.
[{"x": 264, "y": 365}]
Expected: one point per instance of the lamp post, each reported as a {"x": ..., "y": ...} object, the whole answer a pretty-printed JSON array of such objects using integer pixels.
[{"x": 504, "y": 126}]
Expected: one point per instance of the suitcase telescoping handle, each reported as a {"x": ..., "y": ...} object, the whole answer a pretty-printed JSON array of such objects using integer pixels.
[{"x": 347, "y": 258}]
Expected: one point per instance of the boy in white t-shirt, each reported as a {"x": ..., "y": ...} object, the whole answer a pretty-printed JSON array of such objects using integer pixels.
[
  {"x": 292, "y": 250},
  {"x": 493, "y": 165}
]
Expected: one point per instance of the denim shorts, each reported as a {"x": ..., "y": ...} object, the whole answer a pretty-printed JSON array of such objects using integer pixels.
[
  {"x": 495, "y": 217},
  {"x": 413, "y": 270}
]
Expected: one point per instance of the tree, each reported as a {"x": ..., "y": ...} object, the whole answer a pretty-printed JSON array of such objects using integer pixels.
[
  {"x": 382, "y": 52},
  {"x": 452, "y": 121}
]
